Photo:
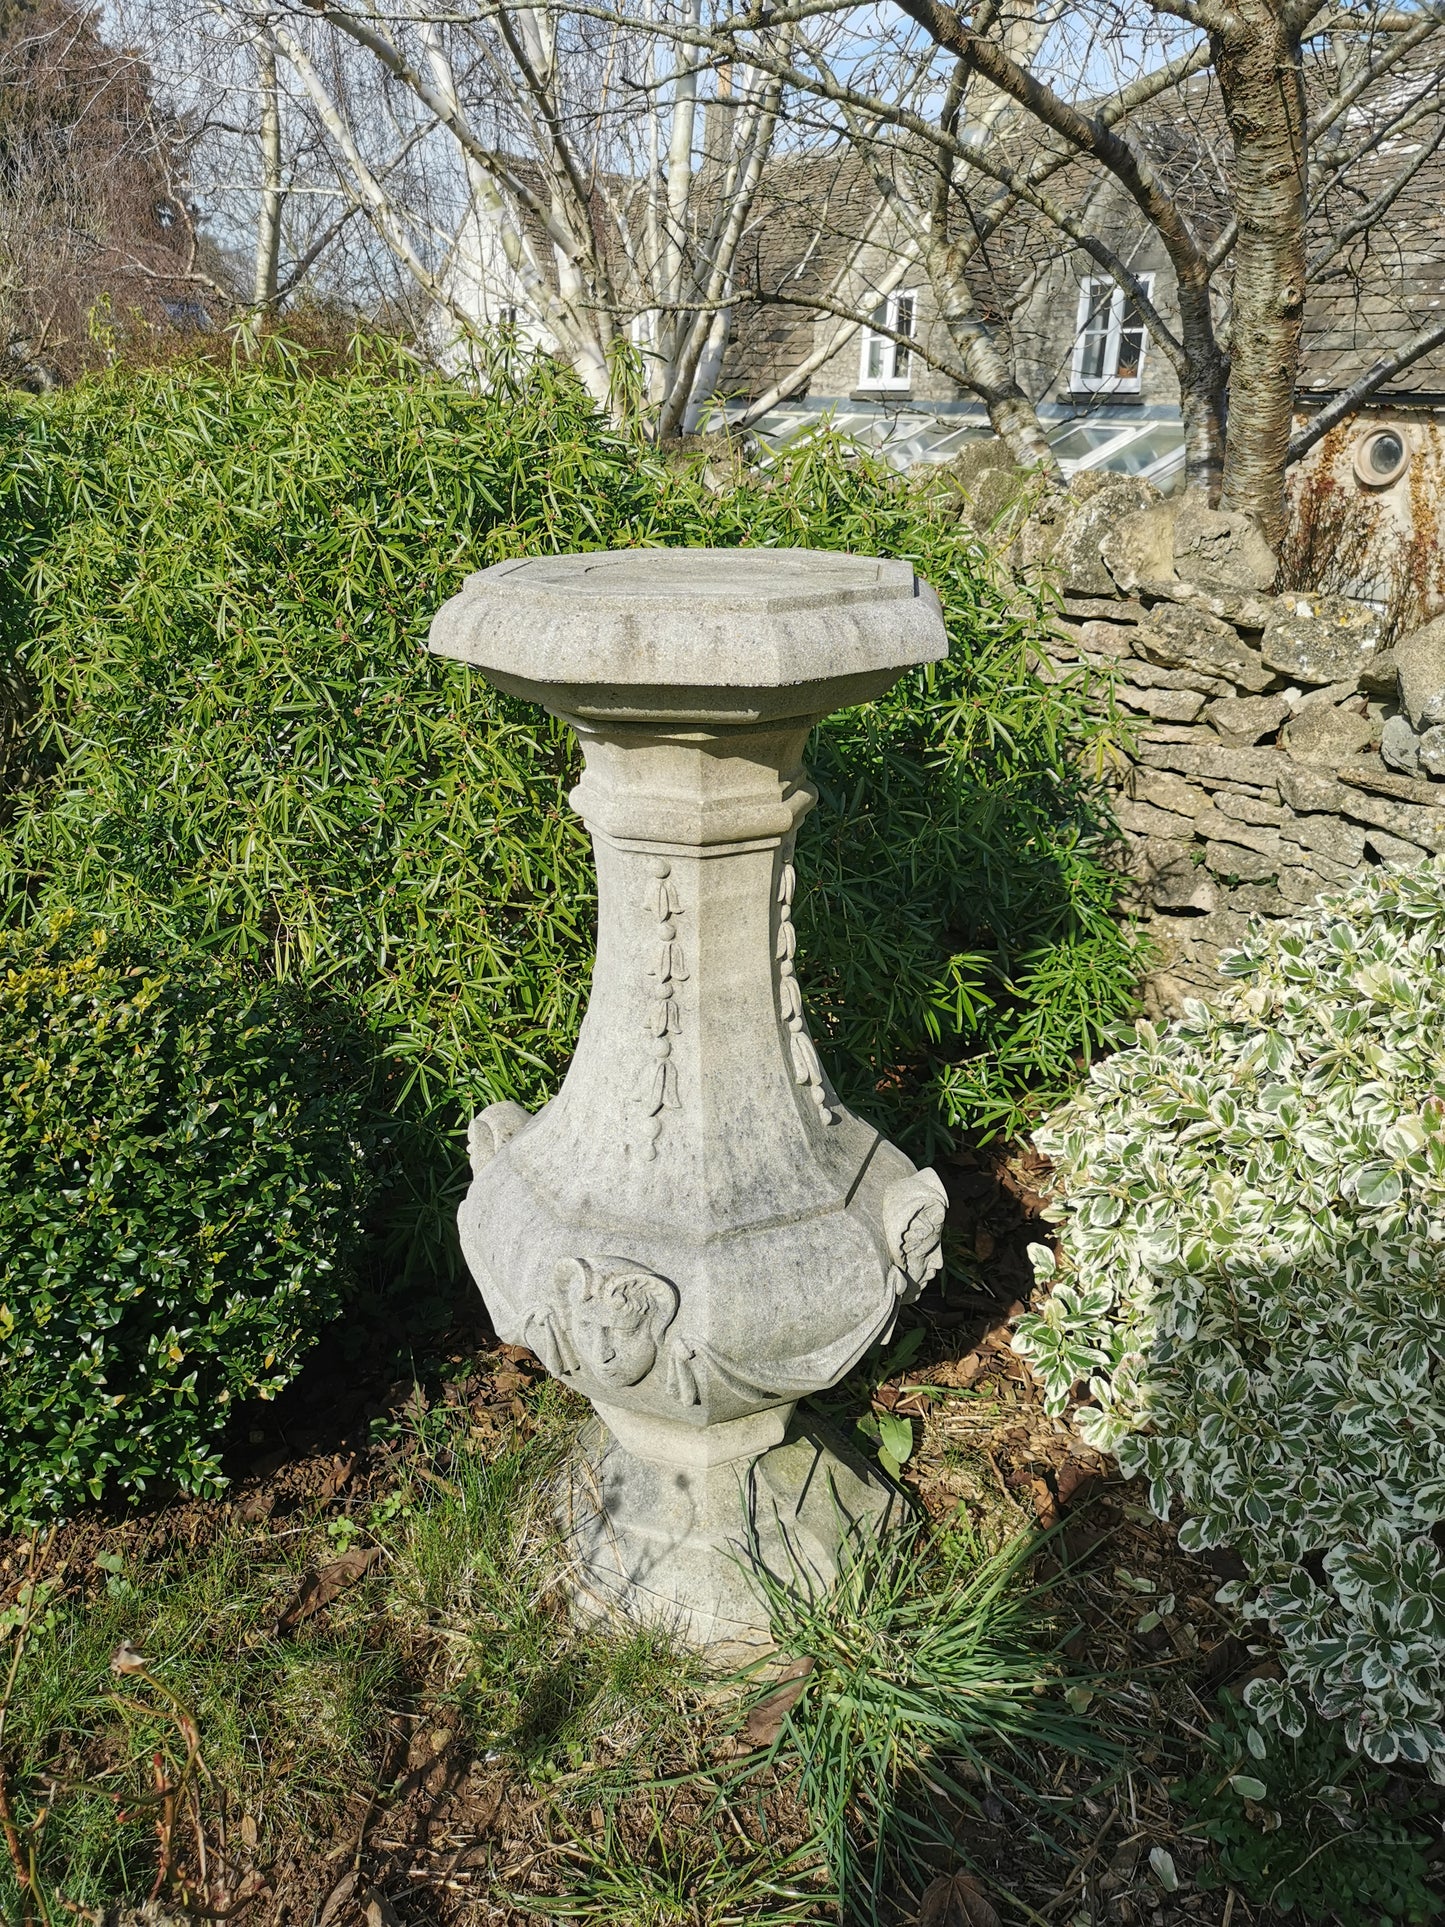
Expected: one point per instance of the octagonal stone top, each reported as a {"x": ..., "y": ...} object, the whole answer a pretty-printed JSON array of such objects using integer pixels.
[{"x": 722, "y": 635}]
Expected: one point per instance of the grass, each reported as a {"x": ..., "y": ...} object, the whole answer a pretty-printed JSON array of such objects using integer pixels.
[
  {"x": 448, "y": 1679},
  {"x": 440, "y": 1743}
]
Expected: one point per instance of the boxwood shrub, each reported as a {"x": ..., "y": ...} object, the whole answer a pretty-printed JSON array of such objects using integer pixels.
[
  {"x": 181, "y": 1180},
  {"x": 1252, "y": 1282}
]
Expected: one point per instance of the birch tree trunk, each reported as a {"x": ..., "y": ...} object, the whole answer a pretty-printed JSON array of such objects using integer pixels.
[{"x": 268, "y": 222}]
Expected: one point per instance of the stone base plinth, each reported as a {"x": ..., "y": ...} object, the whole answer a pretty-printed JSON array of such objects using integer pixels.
[{"x": 678, "y": 1547}]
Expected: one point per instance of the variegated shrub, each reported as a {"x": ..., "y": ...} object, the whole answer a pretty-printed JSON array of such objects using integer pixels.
[{"x": 1252, "y": 1281}]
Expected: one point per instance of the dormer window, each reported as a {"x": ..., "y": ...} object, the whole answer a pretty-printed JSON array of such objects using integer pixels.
[
  {"x": 885, "y": 360},
  {"x": 1109, "y": 338}
]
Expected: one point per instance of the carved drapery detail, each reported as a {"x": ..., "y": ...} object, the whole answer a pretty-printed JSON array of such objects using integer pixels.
[
  {"x": 807, "y": 1068},
  {"x": 657, "y": 1087}
]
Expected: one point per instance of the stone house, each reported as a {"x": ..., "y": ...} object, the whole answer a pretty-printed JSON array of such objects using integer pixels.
[{"x": 1367, "y": 496}]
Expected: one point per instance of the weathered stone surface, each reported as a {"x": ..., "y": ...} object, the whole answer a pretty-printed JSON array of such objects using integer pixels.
[
  {"x": 1206, "y": 759},
  {"x": 1307, "y": 789},
  {"x": 1074, "y": 558},
  {"x": 1173, "y": 877},
  {"x": 1432, "y": 750},
  {"x": 1380, "y": 674},
  {"x": 1328, "y": 836},
  {"x": 1144, "y": 820},
  {"x": 1328, "y": 695},
  {"x": 656, "y": 1233},
  {"x": 1423, "y": 826},
  {"x": 1247, "y": 809},
  {"x": 1170, "y": 705},
  {"x": 1105, "y": 608},
  {"x": 1260, "y": 900},
  {"x": 1364, "y": 776},
  {"x": 1147, "y": 676},
  {"x": 1322, "y": 639},
  {"x": 674, "y": 1548},
  {"x": 1400, "y": 746},
  {"x": 1106, "y": 638},
  {"x": 1179, "y": 637},
  {"x": 1231, "y": 860},
  {"x": 1260, "y": 837},
  {"x": 1301, "y": 886},
  {"x": 1421, "y": 656},
  {"x": 1393, "y": 849},
  {"x": 1326, "y": 738},
  {"x": 1221, "y": 549},
  {"x": 1139, "y": 548},
  {"x": 1242, "y": 720},
  {"x": 1167, "y": 791}
]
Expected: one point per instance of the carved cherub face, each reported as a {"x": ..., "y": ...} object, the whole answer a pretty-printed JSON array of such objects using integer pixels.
[{"x": 618, "y": 1321}]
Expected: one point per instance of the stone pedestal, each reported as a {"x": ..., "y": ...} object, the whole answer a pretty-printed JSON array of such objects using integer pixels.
[{"x": 695, "y": 1233}]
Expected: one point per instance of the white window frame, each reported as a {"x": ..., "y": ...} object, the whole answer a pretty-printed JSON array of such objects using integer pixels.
[
  {"x": 881, "y": 351},
  {"x": 1110, "y": 381}
]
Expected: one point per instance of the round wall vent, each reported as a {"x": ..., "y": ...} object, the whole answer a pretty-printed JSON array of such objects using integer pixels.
[{"x": 1381, "y": 457}]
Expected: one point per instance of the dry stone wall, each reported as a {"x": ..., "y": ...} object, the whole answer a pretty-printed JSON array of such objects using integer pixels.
[{"x": 1280, "y": 745}]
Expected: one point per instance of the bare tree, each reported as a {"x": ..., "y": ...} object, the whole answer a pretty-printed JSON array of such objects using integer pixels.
[
  {"x": 986, "y": 127},
  {"x": 97, "y": 235},
  {"x": 593, "y": 182}
]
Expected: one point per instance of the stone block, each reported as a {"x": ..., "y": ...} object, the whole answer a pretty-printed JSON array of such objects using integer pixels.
[
  {"x": 1400, "y": 746},
  {"x": 1393, "y": 849},
  {"x": 1144, "y": 820},
  {"x": 1408, "y": 820},
  {"x": 1380, "y": 674},
  {"x": 1202, "y": 756},
  {"x": 1247, "y": 809},
  {"x": 1322, "y": 638},
  {"x": 1221, "y": 549},
  {"x": 1300, "y": 886},
  {"x": 1260, "y": 900},
  {"x": 1432, "y": 750},
  {"x": 1243, "y": 720},
  {"x": 1329, "y": 836},
  {"x": 1173, "y": 879},
  {"x": 1324, "y": 867},
  {"x": 1148, "y": 676},
  {"x": 1405, "y": 789},
  {"x": 1176, "y": 636},
  {"x": 1330, "y": 694},
  {"x": 1074, "y": 558},
  {"x": 1167, "y": 791},
  {"x": 1105, "y": 608},
  {"x": 1421, "y": 656},
  {"x": 1169, "y": 705},
  {"x": 1326, "y": 738},
  {"x": 1241, "y": 865},
  {"x": 1215, "y": 826},
  {"x": 1307, "y": 790},
  {"x": 1139, "y": 548},
  {"x": 1105, "y": 638}
]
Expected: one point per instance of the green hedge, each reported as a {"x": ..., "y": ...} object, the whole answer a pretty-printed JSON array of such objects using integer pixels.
[
  {"x": 219, "y": 585},
  {"x": 182, "y": 1174}
]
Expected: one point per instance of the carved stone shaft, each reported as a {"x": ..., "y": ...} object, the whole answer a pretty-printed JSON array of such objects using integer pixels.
[{"x": 695, "y": 1232}]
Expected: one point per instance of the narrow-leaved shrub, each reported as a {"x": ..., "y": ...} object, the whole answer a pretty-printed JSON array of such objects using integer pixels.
[
  {"x": 218, "y": 584},
  {"x": 181, "y": 1178},
  {"x": 1253, "y": 1285}
]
